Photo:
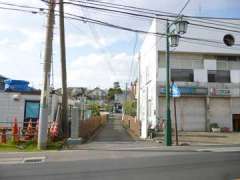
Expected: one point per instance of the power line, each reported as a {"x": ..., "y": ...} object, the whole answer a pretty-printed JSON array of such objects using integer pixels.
[
  {"x": 85, "y": 19},
  {"x": 146, "y": 16},
  {"x": 98, "y": 41},
  {"x": 155, "y": 13},
  {"x": 185, "y": 5}
]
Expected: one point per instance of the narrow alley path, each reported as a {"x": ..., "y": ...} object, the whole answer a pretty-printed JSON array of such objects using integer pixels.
[
  {"x": 113, "y": 131},
  {"x": 113, "y": 137}
]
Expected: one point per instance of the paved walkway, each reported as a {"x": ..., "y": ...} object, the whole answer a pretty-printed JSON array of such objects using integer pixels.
[{"x": 113, "y": 131}]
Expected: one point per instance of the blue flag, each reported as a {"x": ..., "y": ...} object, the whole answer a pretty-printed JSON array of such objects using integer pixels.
[{"x": 175, "y": 91}]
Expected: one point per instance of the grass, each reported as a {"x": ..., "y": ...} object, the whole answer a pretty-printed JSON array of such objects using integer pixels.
[{"x": 29, "y": 146}]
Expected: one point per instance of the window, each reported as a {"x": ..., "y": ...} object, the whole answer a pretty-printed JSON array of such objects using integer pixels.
[
  {"x": 185, "y": 75},
  {"x": 219, "y": 76}
]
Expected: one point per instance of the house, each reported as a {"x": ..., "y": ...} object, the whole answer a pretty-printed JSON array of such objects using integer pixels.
[
  {"x": 208, "y": 75},
  {"x": 22, "y": 102},
  {"x": 98, "y": 95},
  {"x": 23, "y": 106}
]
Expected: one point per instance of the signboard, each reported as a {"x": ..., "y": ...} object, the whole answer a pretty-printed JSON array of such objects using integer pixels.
[
  {"x": 189, "y": 90},
  {"x": 220, "y": 92}
]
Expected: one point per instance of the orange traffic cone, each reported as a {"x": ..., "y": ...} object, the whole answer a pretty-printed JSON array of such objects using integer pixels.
[
  {"x": 54, "y": 130},
  {"x": 15, "y": 132}
]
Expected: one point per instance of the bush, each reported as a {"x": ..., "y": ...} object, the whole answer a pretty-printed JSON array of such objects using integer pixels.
[
  {"x": 130, "y": 107},
  {"x": 95, "y": 108},
  {"x": 108, "y": 107}
]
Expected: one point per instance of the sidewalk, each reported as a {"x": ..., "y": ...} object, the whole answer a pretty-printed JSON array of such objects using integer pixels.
[{"x": 205, "y": 138}]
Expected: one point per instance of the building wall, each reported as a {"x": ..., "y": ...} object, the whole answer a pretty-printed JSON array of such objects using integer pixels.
[
  {"x": 194, "y": 115},
  {"x": 200, "y": 33},
  {"x": 148, "y": 82},
  {"x": 220, "y": 112},
  {"x": 200, "y": 57},
  {"x": 10, "y": 108},
  {"x": 191, "y": 113}
]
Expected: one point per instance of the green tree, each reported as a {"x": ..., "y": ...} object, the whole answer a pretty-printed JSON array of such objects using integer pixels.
[
  {"x": 130, "y": 107},
  {"x": 95, "y": 108},
  {"x": 112, "y": 92}
]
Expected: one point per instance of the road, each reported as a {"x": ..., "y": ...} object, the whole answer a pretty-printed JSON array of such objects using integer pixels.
[
  {"x": 202, "y": 166},
  {"x": 113, "y": 155}
]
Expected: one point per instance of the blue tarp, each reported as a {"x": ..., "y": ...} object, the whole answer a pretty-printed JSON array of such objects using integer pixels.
[{"x": 17, "y": 85}]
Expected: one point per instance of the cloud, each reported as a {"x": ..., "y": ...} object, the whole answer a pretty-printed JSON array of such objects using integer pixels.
[
  {"x": 95, "y": 68},
  {"x": 74, "y": 40},
  {"x": 90, "y": 63}
]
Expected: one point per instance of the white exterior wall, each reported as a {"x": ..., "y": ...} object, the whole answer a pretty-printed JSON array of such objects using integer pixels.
[
  {"x": 200, "y": 75},
  {"x": 10, "y": 108},
  {"x": 200, "y": 47},
  {"x": 190, "y": 112},
  {"x": 186, "y": 48},
  {"x": 220, "y": 112},
  {"x": 235, "y": 76},
  {"x": 210, "y": 64},
  {"x": 148, "y": 82}
]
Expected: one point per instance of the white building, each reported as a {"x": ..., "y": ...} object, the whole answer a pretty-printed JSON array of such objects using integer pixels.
[
  {"x": 208, "y": 75},
  {"x": 24, "y": 106}
]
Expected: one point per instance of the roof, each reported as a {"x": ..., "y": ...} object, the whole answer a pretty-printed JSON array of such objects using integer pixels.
[{"x": 3, "y": 77}]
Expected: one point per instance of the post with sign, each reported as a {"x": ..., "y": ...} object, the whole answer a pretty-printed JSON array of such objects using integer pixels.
[{"x": 175, "y": 93}]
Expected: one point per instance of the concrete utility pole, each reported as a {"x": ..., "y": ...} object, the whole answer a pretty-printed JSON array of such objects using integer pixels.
[
  {"x": 64, "y": 124},
  {"x": 126, "y": 88},
  {"x": 139, "y": 86},
  {"x": 43, "y": 120}
]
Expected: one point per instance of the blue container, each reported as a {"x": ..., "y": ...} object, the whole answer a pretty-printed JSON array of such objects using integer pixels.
[{"x": 17, "y": 85}]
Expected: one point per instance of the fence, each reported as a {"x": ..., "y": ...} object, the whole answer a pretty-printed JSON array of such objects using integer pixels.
[
  {"x": 132, "y": 124},
  {"x": 88, "y": 127}
]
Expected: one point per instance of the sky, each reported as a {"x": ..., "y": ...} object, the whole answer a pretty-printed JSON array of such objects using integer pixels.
[{"x": 97, "y": 56}]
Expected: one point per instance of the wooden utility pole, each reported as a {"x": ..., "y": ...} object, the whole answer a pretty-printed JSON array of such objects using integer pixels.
[
  {"x": 43, "y": 120},
  {"x": 64, "y": 115}
]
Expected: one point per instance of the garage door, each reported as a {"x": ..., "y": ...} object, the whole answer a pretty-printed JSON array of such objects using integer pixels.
[
  {"x": 192, "y": 114},
  {"x": 219, "y": 112}
]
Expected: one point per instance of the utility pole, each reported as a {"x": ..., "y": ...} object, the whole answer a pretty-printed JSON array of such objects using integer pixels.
[
  {"x": 64, "y": 124},
  {"x": 126, "y": 91},
  {"x": 168, "y": 128},
  {"x": 43, "y": 120},
  {"x": 139, "y": 86}
]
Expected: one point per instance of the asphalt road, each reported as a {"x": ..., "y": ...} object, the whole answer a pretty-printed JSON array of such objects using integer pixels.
[
  {"x": 113, "y": 155},
  {"x": 204, "y": 166}
]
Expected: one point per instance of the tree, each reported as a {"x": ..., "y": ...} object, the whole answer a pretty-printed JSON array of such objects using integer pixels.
[
  {"x": 130, "y": 107},
  {"x": 95, "y": 108},
  {"x": 112, "y": 92}
]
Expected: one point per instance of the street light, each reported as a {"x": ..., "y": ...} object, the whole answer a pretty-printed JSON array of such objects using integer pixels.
[
  {"x": 174, "y": 40},
  {"x": 181, "y": 28}
]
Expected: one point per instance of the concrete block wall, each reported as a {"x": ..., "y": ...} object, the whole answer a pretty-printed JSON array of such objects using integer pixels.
[{"x": 10, "y": 108}]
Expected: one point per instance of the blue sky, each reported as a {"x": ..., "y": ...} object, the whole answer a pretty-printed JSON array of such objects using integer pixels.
[{"x": 96, "y": 55}]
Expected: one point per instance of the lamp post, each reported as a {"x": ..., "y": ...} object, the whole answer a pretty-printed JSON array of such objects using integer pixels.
[{"x": 180, "y": 28}]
